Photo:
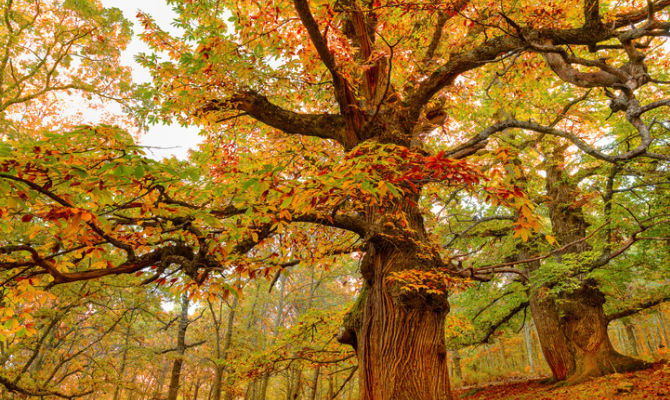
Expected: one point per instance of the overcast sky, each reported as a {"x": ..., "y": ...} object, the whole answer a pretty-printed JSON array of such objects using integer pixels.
[{"x": 163, "y": 141}]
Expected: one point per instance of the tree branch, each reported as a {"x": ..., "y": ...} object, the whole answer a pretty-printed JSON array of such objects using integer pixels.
[
  {"x": 127, "y": 267},
  {"x": 343, "y": 94},
  {"x": 325, "y": 126},
  {"x": 467, "y": 59},
  {"x": 640, "y": 150},
  {"x": 493, "y": 328},
  {"x": 636, "y": 308},
  {"x": 38, "y": 393}
]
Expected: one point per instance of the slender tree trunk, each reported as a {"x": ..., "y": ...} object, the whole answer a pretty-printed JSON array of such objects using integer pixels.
[
  {"x": 331, "y": 387},
  {"x": 250, "y": 393},
  {"x": 215, "y": 390},
  {"x": 218, "y": 379},
  {"x": 501, "y": 355},
  {"x": 293, "y": 383},
  {"x": 529, "y": 347},
  {"x": 656, "y": 327},
  {"x": 263, "y": 387},
  {"x": 630, "y": 334},
  {"x": 222, "y": 351},
  {"x": 227, "y": 340},
  {"x": 197, "y": 389},
  {"x": 159, "y": 383},
  {"x": 399, "y": 339},
  {"x": 315, "y": 383},
  {"x": 619, "y": 344},
  {"x": 279, "y": 319},
  {"x": 650, "y": 338},
  {"x": 456, "y": 358},
  {"x": 124, "y": 358},
  {"x": 181, "y": 349}
]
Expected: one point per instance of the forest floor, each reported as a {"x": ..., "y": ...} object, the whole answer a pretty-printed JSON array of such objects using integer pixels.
[{"x": 652, "y": 383}]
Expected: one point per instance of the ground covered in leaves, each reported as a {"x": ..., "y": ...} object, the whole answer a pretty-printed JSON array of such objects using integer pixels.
[{"x": 652, "y": 383}]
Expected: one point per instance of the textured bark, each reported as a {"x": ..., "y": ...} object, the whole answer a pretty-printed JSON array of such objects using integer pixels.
[
  {"x": 663, "y": 328},
  {"x": 573, "y": 335},
  {"x": 554, "y": 344},
  {"x": 572, "y": 326},
  {"x": 398, "y": 335},
  {"x": 399, "y": 339}
]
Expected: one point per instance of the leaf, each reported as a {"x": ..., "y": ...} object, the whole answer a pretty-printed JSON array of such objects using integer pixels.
[{"x": 550, "y": 239}]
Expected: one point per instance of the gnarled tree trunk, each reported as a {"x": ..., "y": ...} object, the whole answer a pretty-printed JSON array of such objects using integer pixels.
[
  {"x": 572, "y": 327},
  {"x": 399, "y": 338},
  {"x": 573, "y": 335}
]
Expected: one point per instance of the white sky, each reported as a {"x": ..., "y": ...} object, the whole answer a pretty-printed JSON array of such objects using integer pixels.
[{"x": 162, "y": 140}]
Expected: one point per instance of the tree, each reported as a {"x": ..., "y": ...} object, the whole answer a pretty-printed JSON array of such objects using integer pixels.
[
  {"x": 566, "y": 292},
  {"x": 386, "y": 86},
  {"x": 335, "y": 119},
  {"x": 59, "y": 51},
  {"x": 221, "y": 349}
]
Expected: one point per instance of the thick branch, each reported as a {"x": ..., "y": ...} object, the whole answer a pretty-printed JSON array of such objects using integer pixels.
[
  {"x": 346, "y": 222},
  {"x": 636, "y": 309},
  {"x": 325, "y": 126},
  {"x": 477, "y": 222},
  {"x": 640, "y": 150},
  {"x": 186, "y": 346},
  {"x": 442, "y": 19},
  {"x": 127, "y": 267},
  {"x": 345, "y": 98},
  {"x": 559, "y": 62},
  {"x": 467, "y": 59},
  {"x": 458, "y": 63},
  {"x": 38, "y": 393},
  {"x": 592, "y": 13}
]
